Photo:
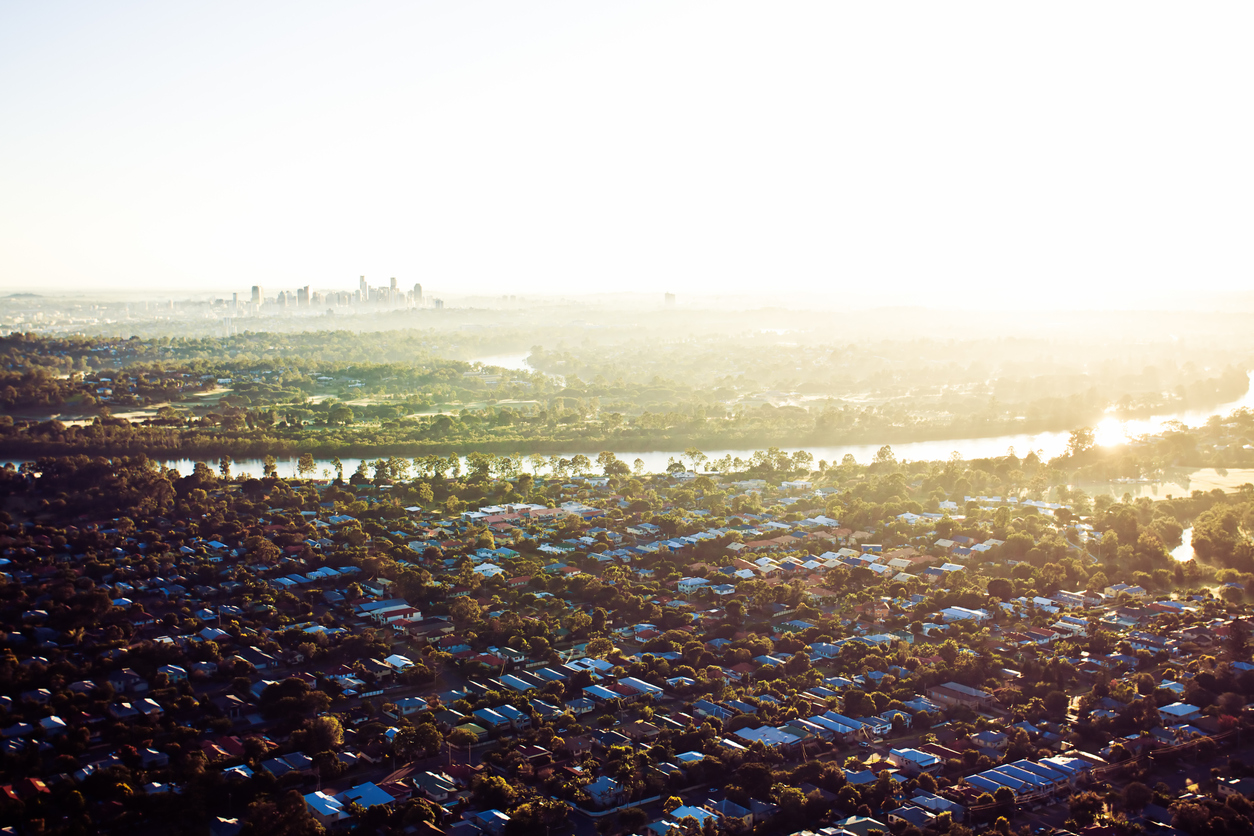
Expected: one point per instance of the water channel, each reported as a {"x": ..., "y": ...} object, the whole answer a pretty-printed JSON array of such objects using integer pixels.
[{"x": 1184, "y": 551}]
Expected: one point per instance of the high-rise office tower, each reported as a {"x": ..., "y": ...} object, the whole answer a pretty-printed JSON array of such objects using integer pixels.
[
  {"x": 365, "y": 289},
  {"x": 417, "y": 295},
  {"x": 257, "y": 294}
]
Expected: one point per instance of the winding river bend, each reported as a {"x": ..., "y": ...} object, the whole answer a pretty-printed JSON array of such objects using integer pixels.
[{"x": 1109, "y": 432}]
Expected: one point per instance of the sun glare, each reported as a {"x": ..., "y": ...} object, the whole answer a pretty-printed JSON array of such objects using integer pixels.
[{"x": 1110, "y": 432}]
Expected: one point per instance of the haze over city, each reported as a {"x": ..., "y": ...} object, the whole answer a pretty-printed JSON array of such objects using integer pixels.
[{"x": 1087, "y": 153}]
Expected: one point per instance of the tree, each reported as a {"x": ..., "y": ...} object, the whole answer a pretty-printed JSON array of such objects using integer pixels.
[
  {"x": 292, "y": 698},
  {"x": 428, "y": 738},
  {"x": 323, "y": 734},
  {"x": 465, "y": 611},
  {"x": 792, "y": 802},
  {"x": 340, "y": 414},
  {"x": 1081, "y": 441},
  {"x": 1056, "y": 703},
  {"x": 492, "y": 792},
  {"x": 460, "y": 738},
  {"x": 1137, "y": 795},
  {"x": 600, "y": 647},
  {"x": 612, "y": 466},
  {"x": 1238, "y": 642},
  {"x": 479, "y": 466},
  {"x": 424, "y": 739},
  {"x": 1001, "y": 588},
  {"x": 1085, "y": 806},
  {"x": 306, "y": 465},
  {"x": 1230, "y": 703},
  {"x": 1190, "y": 817},
  {"x": 288, "y": 815},
  {"x": 632, "y": 820},
  {"x": 540, "y": 815}
]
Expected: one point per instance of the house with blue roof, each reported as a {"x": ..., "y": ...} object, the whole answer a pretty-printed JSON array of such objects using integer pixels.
[{"x": 705, "y": 708}]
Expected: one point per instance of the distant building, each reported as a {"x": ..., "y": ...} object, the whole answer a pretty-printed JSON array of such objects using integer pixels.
[
  {"x": 670, "y": 300},
  {"x": 258, "y": 295},
  {"x": 417, "y": 295}
]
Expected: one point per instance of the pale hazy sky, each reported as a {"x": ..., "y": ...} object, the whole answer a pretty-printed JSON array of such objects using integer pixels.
[{"x": 955, "y": 149}]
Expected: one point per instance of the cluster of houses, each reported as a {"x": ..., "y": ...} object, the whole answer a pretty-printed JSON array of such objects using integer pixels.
[{"x": 194, "y": 600}]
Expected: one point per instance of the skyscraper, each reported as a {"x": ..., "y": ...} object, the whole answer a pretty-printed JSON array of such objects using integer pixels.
[
  {"x": 257, "y": 294},
  {"x": 417, "y": 296},
  {"x": 365, "y": 291}
]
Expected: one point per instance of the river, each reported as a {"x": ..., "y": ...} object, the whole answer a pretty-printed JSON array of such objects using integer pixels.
[
  {"x": 513, "y": 362},
  {"x": 1109, "y": 432},
  {"x": 1184, "y": 551},
  {"x": 516, "y": 363}
]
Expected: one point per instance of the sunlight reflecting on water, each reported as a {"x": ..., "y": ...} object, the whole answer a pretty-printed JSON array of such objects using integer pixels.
[{"x": 1112, "y": 431}]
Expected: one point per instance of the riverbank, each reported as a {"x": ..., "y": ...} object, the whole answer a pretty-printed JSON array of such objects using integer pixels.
[
  {"x": 654, "y": 447},
  {"x": 913, "y": 443}
]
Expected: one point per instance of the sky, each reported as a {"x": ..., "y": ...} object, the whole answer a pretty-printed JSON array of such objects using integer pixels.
[{"x": 1093, "y": 153}]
